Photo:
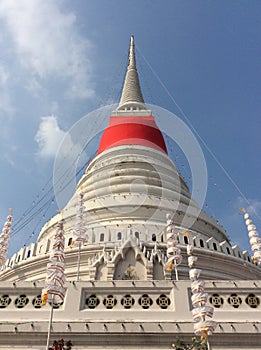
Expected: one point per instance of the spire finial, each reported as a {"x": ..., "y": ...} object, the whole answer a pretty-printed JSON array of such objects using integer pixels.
[
  {"x": 132, "y": 60},
  {"x": 131, "y": 97}
]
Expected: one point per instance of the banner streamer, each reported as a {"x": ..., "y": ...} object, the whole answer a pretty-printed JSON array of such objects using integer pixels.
[
  {"x": 254, "y": 239},
  {"x": 200, "y": 311},
  {"x": 55, "y": 277},
  {"x": 173, "y": 252},
  {"x": 4, "y": 238}
]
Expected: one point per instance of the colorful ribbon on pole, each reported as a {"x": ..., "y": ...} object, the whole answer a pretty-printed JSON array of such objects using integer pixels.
[
  {"x": 174, "y": 257},
  {"x": 254, "y": 239},
  {"x": 200, "y": 310},
  {"x": 81, "y": 227},
  {"x": 4, "y": 238},
  {"x": 55, "y": 278}
]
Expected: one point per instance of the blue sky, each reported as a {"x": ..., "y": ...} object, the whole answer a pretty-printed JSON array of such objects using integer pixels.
[{"x": 60, "y": 60}]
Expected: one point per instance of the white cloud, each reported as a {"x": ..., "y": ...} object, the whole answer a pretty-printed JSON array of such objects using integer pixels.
[
  {"x": 5, "y": 103},
  {"x": 7, "y": 157},
  {"x": 48, "y": 44},
  {"x": 54, "y": 107},
  {"x": 49, "y": 136},
  {"x": 4, "y": 75},
  {"x": 34, "y": 87}
]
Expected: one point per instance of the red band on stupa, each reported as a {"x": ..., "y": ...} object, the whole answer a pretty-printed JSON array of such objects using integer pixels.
[{"x": 141, "y": 131}]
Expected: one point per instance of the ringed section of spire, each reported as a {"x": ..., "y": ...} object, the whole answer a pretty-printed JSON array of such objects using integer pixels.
[{"x": 131, "y": 97}]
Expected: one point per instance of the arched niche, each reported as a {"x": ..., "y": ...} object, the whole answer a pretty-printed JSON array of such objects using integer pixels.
[
  {"x": 129, "y": 266},
  {"x": 158, "y": 273},
  {"x": 101, "y": 271}
]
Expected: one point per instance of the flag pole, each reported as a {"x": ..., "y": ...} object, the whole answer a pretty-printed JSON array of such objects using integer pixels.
[
  {"x": 173, "y": 252},
  {"x": 4, "y": 237},
  {"x": 78, "y": 263},
  {"x": 50, "y": 325},
  {"x": 200, "y": 309},
  {"x": 80, "y": 231},
  {"x": 176, "y": 270},
  {"x": 54, "y": 289},
  {"x": 254, "y": 239}
]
